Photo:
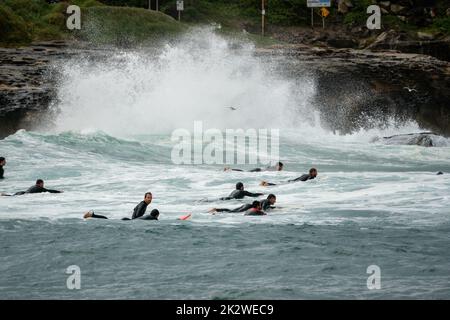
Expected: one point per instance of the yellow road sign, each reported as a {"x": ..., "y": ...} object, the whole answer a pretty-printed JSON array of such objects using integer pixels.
[{"x": 324, "y": 12}]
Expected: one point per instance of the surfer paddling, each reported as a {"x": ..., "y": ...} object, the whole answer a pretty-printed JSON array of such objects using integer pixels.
[
  {"x": 138, "y": 211},
  {"x": 240, "y": 193},
  {"x": 266, "y": 204},
  {"x": 37, "y": 188},
  {"x": 305, "y": 177},
  {"x": 2, "y": 164},
  {"x": 278, "y": 167}
]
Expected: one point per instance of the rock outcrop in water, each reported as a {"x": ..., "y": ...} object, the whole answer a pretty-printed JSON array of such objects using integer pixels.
[
  {"x": 359, "y": 89},
  {"x": 424, "y": 139},
  {"x": 26, "y": 89},
  {"x": 28, "y": 83}
]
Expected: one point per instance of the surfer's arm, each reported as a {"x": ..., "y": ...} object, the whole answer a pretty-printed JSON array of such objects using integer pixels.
[
  {"x": 265, "y": 184},
  {"x": 250, "y": 194},
  {"x": 52, "y": 191}
]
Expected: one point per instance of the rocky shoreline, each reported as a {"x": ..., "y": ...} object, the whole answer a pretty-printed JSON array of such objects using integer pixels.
[
  {"x": 26, "y": 89},
  {"x": 28, "y": 82},
  {"x": 364, "y": 89},
  {"x": 354, "y": 88}
]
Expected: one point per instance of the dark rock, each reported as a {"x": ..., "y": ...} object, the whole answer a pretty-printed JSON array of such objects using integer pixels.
[
  {"x": 424, "y": 139},
  {"x": 342, "y": 43},
  {"x": 361, "y": 89},
  {"x": 395, "y": 8},
  {"x": 393, "y": 40}
]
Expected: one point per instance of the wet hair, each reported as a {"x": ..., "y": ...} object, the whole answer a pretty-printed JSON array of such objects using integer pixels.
[
  {"x": 2, "y": 159},
  {"x": 39, "y": 181},
  {"x": 147, "y": 193},
  {"x": 256, "y": 204},
  {"x": 154, "y": 213},
  {"x": 312, "y": 170},
  {"x": 270, "y": 196},
  {"x": 280, "y": 164},
  {"x": 239, "y": 185}
]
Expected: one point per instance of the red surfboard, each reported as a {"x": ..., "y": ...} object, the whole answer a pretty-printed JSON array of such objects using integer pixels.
[{"x": 186, "y": 217}]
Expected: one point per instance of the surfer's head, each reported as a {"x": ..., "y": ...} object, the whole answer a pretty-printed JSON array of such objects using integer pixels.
[
  {"x": 154, "y": 213},
  {"x": 256, "y": 205},
  {"x": 272, "y": 199},
  {"x": 313, "y": 172},
  {"x": 148, "y": 197},
  {"x": 239, "y": 186},
  {"x": 2, "y": 161},
  {"x": 40, "y": 183},
  {"x": 279, "y": 166}
]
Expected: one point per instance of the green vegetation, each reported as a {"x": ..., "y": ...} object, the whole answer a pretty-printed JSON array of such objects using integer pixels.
[
  {"x": 22, "y": 21},
  {"x": 125, "y": 22},
  {"x": 442, "y": 25},
  {"x": 13, "y": 28},
  {"x": 29, "y": 20},
  {"x": 126, "y": 26}
]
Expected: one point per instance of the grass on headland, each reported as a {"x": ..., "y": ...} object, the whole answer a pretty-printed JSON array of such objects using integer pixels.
[
  {"x": 23, "y": 21},
  {"x": 123, "y": 26}
]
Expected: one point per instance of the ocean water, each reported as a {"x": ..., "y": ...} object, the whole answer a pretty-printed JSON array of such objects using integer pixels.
[{"x": 110, "y": 142}]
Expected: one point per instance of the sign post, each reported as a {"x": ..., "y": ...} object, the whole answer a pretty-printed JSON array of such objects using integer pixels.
[
  {"x": 324, "y": 13},
  {"x": 317, "y": 4},
  {"x": 150, "y": 5},
  {"x": 180, "y": 7},
  {"x": 263, "y": 15}
]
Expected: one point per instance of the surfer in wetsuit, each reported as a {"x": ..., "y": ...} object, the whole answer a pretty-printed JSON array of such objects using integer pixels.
[
  {"x": 2, "y": 164},
  {"x": 305, "y": 177},
  {"x": 240, "y": 193},
  {"x": 152, "y": 216},
  {"x": 138, "y": 211},
  {"x": 277, "y": 167},
  {"x": 37, "y": 188},
  {"x": 266, "y": 204},
  {"x": 255, "y": 210}
]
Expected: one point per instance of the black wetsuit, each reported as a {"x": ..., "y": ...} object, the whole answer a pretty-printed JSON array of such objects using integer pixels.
[
  {"x": 139, "y": 210},
  {"x": 265, "y": 204},
  {"x": 254, "y": 212},
  {"x": 242, "y": 208},
  {"x": 240, "y": 194},
  {"x": 2, "y": 171},
  {"x": 303, "y": 177},
  {"x": 36, "y": 189},
  {"x": 148, "y": 217},
  {"x": 258, "y": 169},
  {"x": 97, "y": 216}
]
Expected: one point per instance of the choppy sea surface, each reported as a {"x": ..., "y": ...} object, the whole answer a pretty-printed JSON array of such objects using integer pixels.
[{"x": 370, "y": 205}]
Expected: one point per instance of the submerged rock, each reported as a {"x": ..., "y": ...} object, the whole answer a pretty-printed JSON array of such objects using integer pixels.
[{"x": 424, "y": 139}]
